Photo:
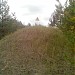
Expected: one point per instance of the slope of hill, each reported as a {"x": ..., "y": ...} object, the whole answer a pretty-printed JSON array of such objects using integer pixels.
[{"x": 35, "y": 51}]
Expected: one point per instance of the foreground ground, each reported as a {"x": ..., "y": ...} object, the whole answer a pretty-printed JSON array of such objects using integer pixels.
[{"x": 35, "y": 51}]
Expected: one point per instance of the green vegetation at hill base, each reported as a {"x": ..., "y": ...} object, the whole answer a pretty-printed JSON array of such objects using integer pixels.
[{"x": 36, "y": 51}]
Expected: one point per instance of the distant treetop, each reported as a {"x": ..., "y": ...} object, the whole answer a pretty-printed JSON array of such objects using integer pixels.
[{"x": 37, "y": 19}]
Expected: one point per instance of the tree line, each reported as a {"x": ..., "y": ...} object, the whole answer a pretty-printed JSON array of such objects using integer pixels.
[
  {"x": 8, "y": 23},
  {"x": 64, "y": 15},
  {"x": 64, "y": 18}
]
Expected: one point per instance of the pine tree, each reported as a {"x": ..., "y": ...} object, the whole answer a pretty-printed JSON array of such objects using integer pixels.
[
  {"x": 4, "y": 10},
  {"x": 69, "y": 16},
  {"x": 59, "y": 13},
  {"x": 68, "y": 22},
  {"x": 37, "y": 21}
]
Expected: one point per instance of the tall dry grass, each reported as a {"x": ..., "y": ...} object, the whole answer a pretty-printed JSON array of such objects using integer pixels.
[{"x": 35, "y": 51}]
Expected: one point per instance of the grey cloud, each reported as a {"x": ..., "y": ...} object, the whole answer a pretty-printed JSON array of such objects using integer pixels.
[{"x": 33, "y": 9}]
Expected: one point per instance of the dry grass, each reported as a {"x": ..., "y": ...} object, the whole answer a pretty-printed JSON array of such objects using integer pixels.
[{"x": 35, "y": 51}]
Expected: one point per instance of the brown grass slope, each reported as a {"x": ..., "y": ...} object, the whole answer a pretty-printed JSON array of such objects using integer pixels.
[{"x": 35, "y": 51}]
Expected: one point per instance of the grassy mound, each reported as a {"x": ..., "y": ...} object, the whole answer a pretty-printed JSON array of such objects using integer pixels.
[{"x": 35, "y": 51}]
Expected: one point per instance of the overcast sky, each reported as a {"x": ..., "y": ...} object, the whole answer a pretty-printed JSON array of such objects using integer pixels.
[{"x": 27, "y": 10}]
